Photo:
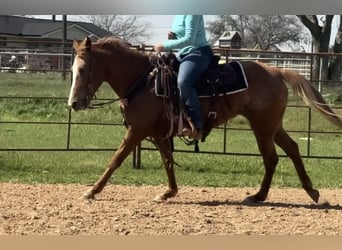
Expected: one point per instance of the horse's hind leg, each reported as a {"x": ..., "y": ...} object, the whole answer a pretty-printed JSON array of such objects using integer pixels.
[
  {"x": 165, "y": 150},
  {"x": 283, "y": 140},
  {"x": 270, "y": 159},
  {"x": 129, "y": 142}
]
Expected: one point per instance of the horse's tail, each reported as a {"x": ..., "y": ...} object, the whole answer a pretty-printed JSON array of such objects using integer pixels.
[{"x": 310, "y": 95}]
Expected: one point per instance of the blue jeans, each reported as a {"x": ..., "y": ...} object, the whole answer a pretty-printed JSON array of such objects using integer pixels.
[{"x": 192, "y": 66}]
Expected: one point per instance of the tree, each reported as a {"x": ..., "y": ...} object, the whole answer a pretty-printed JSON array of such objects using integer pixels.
[
  {"x": 129, "y": 28},
  {"x": 262, "y": 31},
  {"x": 320, "y": 28},
  {"x": 335, "y": 68}
]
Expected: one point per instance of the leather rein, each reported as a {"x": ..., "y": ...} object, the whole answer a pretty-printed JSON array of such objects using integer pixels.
[
  {"x": 91, "y": 94},
  {"x": 141, "y": 82}
]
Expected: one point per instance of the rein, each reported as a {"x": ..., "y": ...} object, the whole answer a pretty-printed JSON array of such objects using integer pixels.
[
  {"x": 102, "y": 104},
  {"x": 142, "y": 81},
  {"x": 91, "y": 94},
  {"x": 137, "y": 86}
]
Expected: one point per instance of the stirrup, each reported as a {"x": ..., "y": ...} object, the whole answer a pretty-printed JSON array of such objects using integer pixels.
[
  {"x": 196, "y": 134},
  {"x": 186, "y": 131}
]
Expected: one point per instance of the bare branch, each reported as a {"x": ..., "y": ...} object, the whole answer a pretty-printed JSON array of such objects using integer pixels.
[
  {"x": 264, "y": 31},
  {"x": 129, "y": 28}
]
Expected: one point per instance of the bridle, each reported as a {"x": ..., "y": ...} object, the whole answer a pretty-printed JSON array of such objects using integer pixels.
[{"x": 91, "y": 93}]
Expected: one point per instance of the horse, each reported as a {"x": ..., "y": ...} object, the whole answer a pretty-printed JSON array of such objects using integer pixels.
[{"x": 263, "y": 104}]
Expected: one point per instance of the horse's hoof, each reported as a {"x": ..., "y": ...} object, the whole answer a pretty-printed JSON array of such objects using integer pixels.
[
  {"x": 251, "y": 200},
  {"x": 314, "y": 194},
  {"x": 159, "y": 198},
  {"x": 88, "y": 196}
]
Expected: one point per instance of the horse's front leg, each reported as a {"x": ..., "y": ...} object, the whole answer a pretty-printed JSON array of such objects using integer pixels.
[
  {"x": 127, "y": 145},
  {"x": 164, "y": 147}
]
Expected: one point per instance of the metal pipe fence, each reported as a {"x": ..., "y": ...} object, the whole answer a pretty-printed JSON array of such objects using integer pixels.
[{"x": 225, "y": 130}]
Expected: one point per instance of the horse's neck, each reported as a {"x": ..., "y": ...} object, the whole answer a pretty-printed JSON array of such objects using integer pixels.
[{"x": 126, "y": 73}]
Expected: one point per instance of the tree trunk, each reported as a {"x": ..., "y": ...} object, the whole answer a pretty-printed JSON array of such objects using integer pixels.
[
  {"x": 320, "y": 40},
  {"x": 335, "y": 67}
]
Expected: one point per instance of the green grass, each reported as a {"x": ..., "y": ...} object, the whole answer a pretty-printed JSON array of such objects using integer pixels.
[
  {"x": 193, "y": 169},
  {"x": 50, "y": 84}
]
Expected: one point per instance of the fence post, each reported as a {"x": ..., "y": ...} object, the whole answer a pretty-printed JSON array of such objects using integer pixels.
[
  {"x": 225, "y": 138},
  {"x": 309, "y": 132},
  {"x": 136, "y": 156},
  {"x": 64, "y": 39},
  {"x": 320, "y": 74},
  {"x": 69, "y": 130},
  {"x": 69, "y": 110}
]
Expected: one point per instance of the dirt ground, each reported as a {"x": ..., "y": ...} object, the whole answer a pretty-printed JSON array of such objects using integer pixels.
[{"x": 126, "y": 210}]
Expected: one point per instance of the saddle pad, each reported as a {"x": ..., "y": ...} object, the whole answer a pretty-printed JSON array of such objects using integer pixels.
[{"x": 230, "y": 84}]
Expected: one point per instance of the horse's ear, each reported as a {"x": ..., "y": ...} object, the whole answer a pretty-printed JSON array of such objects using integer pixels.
[
  {"x": 87, "y": 41},
  {"x": 76, "y": 44}
]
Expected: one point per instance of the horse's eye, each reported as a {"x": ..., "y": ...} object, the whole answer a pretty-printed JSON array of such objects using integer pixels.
[{"x": 82, "y": 70}]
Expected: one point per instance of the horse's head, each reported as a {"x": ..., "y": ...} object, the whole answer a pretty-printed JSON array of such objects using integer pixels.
[{"x": 86, "y": 75}]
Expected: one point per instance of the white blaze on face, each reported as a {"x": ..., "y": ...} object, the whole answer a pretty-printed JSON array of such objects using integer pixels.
[{"x": 78, "y": 62}]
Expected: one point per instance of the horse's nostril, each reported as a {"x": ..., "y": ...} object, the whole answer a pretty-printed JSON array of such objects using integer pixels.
[{"x": 74, "y": 105}]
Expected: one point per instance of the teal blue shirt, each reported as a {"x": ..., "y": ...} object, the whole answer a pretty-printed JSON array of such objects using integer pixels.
[{"x": 190, "y": 33}]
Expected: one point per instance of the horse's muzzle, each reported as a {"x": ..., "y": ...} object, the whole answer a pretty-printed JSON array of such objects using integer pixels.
[{"x": 76, "y": 105}]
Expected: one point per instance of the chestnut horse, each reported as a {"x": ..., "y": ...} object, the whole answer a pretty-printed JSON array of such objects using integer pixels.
[{"x": 263, "y": 104}]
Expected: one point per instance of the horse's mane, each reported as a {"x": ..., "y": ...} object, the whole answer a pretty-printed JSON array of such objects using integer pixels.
[
  {"x": 111, "y": 41},
  {"x": 114, "y": 43}
]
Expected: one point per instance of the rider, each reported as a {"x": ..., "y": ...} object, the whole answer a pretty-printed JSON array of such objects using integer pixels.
[{"x": 195, "y": 54}]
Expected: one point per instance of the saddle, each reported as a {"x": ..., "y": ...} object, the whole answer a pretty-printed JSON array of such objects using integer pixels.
[
  {"x": 217, "y": 80},
  {"x": 229, "y": 77}
]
